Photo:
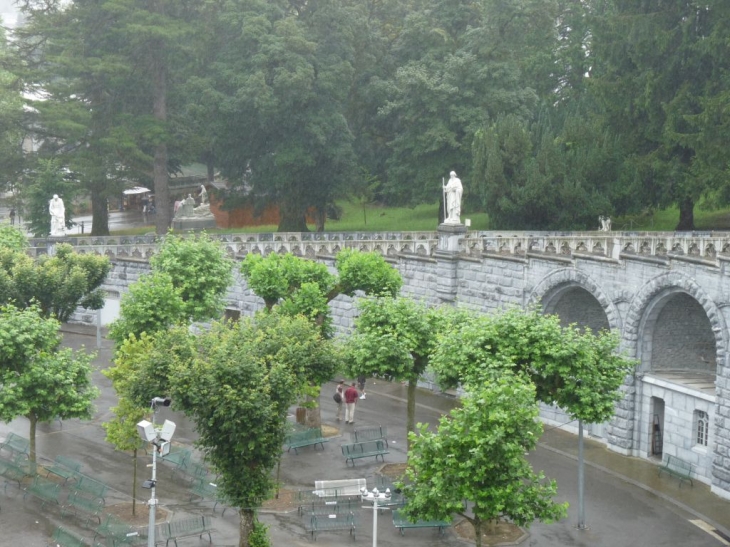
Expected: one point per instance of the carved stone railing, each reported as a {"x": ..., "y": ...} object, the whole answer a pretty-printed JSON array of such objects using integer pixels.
[{"x": 706, "y": 247}]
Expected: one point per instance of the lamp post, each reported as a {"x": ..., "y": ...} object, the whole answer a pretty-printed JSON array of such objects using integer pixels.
[
  {"x": 374, "y": 496},
  {"x": 161, "y": 443}
]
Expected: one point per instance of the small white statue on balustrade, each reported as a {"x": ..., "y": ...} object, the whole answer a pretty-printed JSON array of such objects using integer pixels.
[
  {"x": 605, "y": 223},
  {"x": 452, "y": 199}
]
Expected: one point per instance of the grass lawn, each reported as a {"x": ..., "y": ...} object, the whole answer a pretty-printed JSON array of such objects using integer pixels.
[{"x": 425, "y": 218}]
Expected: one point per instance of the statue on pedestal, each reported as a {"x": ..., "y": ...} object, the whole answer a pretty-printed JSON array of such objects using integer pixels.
[
  {"x": 58, "y": 216},
  {"x": 452, "y": 199}
]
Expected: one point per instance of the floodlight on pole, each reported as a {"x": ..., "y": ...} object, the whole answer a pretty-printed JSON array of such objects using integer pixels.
[
  {"x": 374, "y": 496},
  {"x": 161, "y": 442}
]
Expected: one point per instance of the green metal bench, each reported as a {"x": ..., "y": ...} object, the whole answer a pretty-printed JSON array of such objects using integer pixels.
[
  {"x": 12, "y": 471},
  {"x": 208, "y": 491},
  {"x": 15, "y": 444},
  {"x": 331, "y": 523},
  {"x": 400, "y": 522},
  {"x": 64, "y": 467},
  {"x": 116, "y": 531},
  {"x": 196, "y": 470},
  {"x": 93, "y": 507},
  {"x": 366, "y": 449},
  {"x": 178, "y": 457},
  {"x": 193, "y": 526},
  {"x": 308, "y": 437},
  {"x": 44, "y": 490},
  {"x": 330, "y": 507},
  {"x": 369, "y": 434},
  {"x": 678, "y": 468},
  {"x": 64, "y": 538},
  {"x": 90, "y": 488}
]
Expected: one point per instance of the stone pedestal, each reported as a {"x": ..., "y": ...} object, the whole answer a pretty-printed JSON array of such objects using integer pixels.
[
  {"x": 447, "y": 255},
  {"x": 193, "y": 223}
]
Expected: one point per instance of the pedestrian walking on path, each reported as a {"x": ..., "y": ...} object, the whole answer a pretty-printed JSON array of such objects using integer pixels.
[
  {"x": 339, "y": 397},
  {"x": 351, "y": 396}
]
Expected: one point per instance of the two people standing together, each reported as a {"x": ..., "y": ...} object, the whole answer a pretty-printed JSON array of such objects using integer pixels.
[{"x": 348, "y": 396}]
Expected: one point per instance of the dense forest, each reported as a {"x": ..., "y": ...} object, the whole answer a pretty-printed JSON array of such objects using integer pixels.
[{"x": 552, "y": 112}]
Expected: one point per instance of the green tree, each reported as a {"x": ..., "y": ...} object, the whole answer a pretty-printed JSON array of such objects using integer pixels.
[
  {"x": 121, "y": 431},
  {"x": 475, "y": 464},
  {"x": 58, "y": 284},
  {"x": 301, "y": 286},
  {"x": 238, "y": 388},
  {"x": 285, "y": 137},
  {"x": 581, "y": 372},
  {"x": 657, "y": 68},
  {"x": 199, "y": 269},
  {"x": 395, "y": 337},
  {"x": 38, "y": 380},
  {"x": 151, "y": 304}
]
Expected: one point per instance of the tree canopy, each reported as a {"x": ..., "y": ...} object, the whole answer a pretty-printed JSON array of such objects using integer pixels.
[{"x": 474, "y": 465}]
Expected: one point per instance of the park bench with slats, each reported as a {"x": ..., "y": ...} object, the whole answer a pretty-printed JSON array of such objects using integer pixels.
[
  {"x": 64, "y": 538},
  {"x": 178, "y": 457},
  {"x": 15, "y": 445},
  {"x": 116, "y": 531},
  {"x": 331, "y": 523},
  {"x": 188, "y": 527},
  {"x": 91, "y": 507},
  {"x": 90, "y": 488},
  {"x": 12, "y": 471},
  {"x": 309, "y": 437},
  {"x": 43, "y": 489},
  {"x": 64, "y": 467},
  {"x": 366, "y": 449},
  {"x": 208, "y": 491},
  {"x": 369, "y": 434},
  {"x": 678, "y": 468},
  {"x": 400, "y": 522}
]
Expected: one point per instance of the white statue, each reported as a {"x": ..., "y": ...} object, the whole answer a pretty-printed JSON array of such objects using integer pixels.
[
  {"x": 605, "y": 223},
  {"x": 203, "y": 195},
  {"x": 58, "y": 216},
  {"x": 452, "y": 199}
]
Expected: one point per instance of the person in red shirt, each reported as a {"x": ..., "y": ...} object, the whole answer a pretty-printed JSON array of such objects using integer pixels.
[{"x": 351, "y": 396}]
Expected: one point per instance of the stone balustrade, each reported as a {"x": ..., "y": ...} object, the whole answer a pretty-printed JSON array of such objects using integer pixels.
[{"x": 709, "y": 246}]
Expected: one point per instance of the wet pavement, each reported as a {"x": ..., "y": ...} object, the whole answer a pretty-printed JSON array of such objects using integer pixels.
[{"x": 626, "y": 503}]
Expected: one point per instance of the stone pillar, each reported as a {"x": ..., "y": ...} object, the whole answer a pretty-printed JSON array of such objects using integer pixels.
[{"x": 447, "y": 259}]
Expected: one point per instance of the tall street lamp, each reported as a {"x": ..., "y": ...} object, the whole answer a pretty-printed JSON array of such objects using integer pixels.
[
  {"x": 160, "y": 439},
  {"x": 374, "y": 496}
]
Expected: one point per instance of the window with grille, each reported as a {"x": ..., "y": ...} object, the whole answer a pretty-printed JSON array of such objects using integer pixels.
[{"x": 703, "y": 427}]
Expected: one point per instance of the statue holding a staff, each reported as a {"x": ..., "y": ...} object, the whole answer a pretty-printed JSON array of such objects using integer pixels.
[{"x": 452, "y": 199}]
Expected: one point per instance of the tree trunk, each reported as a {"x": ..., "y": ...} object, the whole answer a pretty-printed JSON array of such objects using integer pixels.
[
  {"x": 320, "y": 217},
  {"x": 99, "y": 212},
  {"x": 248, "y": 516},
  {"x": 686, "y": 215},
  {"x": 411, "y": 408},
  {"x": 210, "y": 168},
  {"x": 313, "y": 416},
  {"x": 291, "y": 217},
  {"x": 134, "y": 482},
  {"x": 159, "y": 168},
  {"x": 32, "y": 457},
  {"x": 477, "y": 524}
]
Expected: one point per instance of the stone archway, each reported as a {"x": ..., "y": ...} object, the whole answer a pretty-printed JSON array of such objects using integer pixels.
[
  {"x": 553, "y": 287},
  {"x": 679, "y": 336}
]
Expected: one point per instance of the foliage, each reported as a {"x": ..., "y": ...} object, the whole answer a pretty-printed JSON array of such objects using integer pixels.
[
  {"x": 199, "y": 270},
  {"x": 152, "y": 304},
  {"x": 300, "y": 286},
  {"x": 40, "y": 381},
  {"x": 394, "y": 337},
  {"x": 58, "y": 283},
  {"x": 581, "y": 372},
  {"x": 475, "y": 464},
  {"x": 238, "y": 388},
  {"x": 12, "y": 238}
]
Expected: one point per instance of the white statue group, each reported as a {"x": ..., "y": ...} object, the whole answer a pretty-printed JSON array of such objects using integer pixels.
[{"x": 452, "y": 199}]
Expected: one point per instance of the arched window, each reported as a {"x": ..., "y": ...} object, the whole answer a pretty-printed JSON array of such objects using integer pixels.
[{"x": 702, "y": 428}]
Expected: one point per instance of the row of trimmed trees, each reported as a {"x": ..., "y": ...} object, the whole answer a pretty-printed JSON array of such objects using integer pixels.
[{"x": 238, "y": 380}]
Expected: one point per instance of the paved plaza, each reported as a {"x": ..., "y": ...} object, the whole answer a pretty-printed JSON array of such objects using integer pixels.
[{"x": 626, "y": 503}]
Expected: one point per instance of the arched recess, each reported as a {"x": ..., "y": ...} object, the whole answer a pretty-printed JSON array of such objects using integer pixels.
[
  {"x": 553, "y": 287},
  {"x": 643, "y": 308}
]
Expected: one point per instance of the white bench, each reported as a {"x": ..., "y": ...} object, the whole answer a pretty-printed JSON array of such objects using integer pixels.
[{"x": 339, "y": 488}]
